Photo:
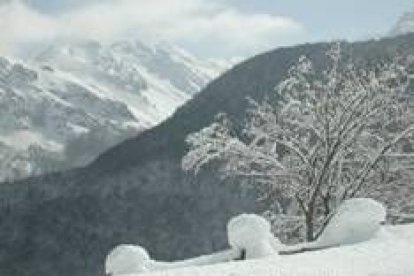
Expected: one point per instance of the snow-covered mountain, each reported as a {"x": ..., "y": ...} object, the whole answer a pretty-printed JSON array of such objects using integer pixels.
[
  {"x": 49, "y": 119},
  {"x": 71, "y": 101},
  {"x": 151, "y": 80},
  {"x": 404, "y": 25}
]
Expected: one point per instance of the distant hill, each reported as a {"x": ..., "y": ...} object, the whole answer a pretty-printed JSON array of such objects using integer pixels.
[{"x": 65, "y": 223}]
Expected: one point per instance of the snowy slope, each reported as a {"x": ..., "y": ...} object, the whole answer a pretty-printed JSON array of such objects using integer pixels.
[
  {"x": 151, "y": 80},
  {"x": 64, "y": 106},
  {"x": 389, "y": 253},
  {"x": 45, "y": 112}
]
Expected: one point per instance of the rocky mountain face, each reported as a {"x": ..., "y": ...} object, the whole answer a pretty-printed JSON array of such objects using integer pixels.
[
  {"x": 72, "y": 101},
  {"x": 65, "y": 223}
]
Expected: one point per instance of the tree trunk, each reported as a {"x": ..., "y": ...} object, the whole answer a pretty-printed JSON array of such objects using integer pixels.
[
  {"x": 326, "y": 207},
  {"x": 309, "y": 226}
]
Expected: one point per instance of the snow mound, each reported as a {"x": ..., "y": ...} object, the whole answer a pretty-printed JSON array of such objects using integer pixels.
[
  {"x": 356, "y": 220},
  {"x": 126, "y": 259},
  {"x": 251, "y": 233}
]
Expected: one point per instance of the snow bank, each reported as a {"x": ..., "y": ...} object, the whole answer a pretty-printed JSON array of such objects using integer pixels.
[
  {"x": 356, "y": 220},
  {"x": 251, "y": 233}
]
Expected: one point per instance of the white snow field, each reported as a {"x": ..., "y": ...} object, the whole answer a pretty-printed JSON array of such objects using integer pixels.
[{"x": 358, "y": 245}]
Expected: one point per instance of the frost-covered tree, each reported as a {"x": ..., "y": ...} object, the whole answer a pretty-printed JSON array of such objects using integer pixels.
[{"x": 324, "y": 137}]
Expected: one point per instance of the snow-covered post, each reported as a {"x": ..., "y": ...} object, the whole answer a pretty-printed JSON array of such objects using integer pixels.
[
  {"x": 127, "y": 259},
  {"x": 322, "y": 138},
  {"x": 251, "y": 234}
]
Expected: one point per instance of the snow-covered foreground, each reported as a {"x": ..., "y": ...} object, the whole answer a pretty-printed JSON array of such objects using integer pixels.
[
  {"x": 390, "y": 252},
  {"x": 353, "y": 242}
]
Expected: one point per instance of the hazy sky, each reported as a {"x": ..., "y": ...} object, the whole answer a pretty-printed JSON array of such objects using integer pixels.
[{"x": 209, "y": 28}]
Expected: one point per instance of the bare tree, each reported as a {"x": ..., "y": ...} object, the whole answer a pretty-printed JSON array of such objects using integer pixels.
[{"x": 322, "y": 141}]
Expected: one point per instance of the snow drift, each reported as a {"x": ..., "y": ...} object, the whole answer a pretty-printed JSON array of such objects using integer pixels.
[{"x": 356, "y": 220}]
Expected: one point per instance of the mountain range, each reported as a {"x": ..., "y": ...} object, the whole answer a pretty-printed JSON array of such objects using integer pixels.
[{"x": 70, "y": 101}]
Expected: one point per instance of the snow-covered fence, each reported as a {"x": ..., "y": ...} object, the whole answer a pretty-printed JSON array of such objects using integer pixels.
[
  {"x": 128, "y": 259},
  {"x": 249, "y": 237}
]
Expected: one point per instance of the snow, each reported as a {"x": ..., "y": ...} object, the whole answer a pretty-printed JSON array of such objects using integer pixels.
[
  {"x": 356, "y": 220},
  {"x": 219, "y": 257},
  {"x": 388, "y": 253},
  {"x": 126, "y": 259},
  {"x": 21, "y": 140},
  {"x": 74, "y": 90},
  {"x": 152, "y": 80},
  {"x": 251, "y": 233},
  {"x": 247, "y": 232},
  {"x": 354, "y": 242}
]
